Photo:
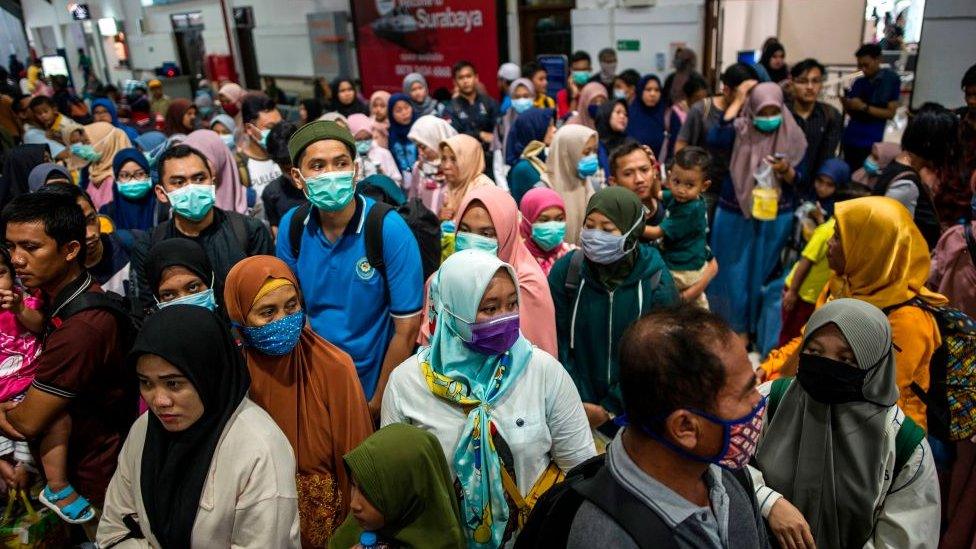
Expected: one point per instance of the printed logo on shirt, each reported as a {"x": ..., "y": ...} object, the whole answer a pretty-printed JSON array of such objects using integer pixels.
[{"x": 364, "y": 269}]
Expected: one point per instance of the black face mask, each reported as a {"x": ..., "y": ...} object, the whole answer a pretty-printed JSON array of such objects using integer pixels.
[{"x": 830, "y": 381}]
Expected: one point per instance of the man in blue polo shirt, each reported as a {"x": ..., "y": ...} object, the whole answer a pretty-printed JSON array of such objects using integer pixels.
[
  {"x": 871, "y": 102},
  {"x": 372, "y": 314}
]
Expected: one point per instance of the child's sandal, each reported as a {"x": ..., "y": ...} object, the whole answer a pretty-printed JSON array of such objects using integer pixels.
[{"x": 78, "y": 511}]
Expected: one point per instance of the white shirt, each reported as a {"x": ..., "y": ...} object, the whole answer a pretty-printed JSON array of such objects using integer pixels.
[
  {"x": 261, "y": 173},
  {"x": 541, "y": 417}
]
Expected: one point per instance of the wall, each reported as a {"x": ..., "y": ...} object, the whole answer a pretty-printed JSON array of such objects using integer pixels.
[
  {"x": 945, "y": 51},
  {"x": 745, "y": 25},
  {"x": 844, "y": 18},
  {"x": 598, "y": 24}
]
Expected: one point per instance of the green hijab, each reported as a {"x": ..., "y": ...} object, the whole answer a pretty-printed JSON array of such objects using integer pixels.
[
  {"x": 402, "y": 471},
  {"x": 624, "y": 208}
]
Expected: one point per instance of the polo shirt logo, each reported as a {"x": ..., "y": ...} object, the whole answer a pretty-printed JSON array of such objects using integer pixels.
[{"x": 364, "y": 269}]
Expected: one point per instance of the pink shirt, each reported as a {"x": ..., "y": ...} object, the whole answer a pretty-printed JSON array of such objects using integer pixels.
[{"x": 18, "y": 349}]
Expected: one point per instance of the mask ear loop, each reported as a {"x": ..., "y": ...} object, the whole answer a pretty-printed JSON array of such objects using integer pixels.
[{"x": 873, "y": 370}]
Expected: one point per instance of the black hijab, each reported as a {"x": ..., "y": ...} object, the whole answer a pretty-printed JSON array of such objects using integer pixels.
[
  {"x": 357, "y": 106},
  {"x": 17, "y": 167},
  {"x": 775, "y": 75},
  {"x": 608, "y": 136},
  {"x": 181, "y": 252},
  {"x": 175, "y": 465}
]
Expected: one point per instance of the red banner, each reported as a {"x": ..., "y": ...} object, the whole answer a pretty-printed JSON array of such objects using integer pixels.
[{"x": 398, "y": 37}]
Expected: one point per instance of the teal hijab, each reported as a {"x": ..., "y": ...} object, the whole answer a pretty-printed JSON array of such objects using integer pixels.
[{"x": 475, "y": 382}]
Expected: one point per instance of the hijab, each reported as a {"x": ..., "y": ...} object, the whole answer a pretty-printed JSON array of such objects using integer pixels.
[
  {"x": 204, "y": 103},
  {"x": 346, "y": 109},
  {"x": 173, "y": 123},
  {"x": 41, "y": 173},
  {"x": 107, "y": 140},
  {"x": 775, "y": 75},
  {"x": 646, "y": 124},
  {"x": 235, "y": 93},
  {"x": 430, "y": 131},
  {"x": 827, "y": 459},
  {"x": 530, "y": 126},
  {"x": 481, "y": 381},
  {"x": 231, "y": 195},
  {"x": 313, "y": 109},
  {"x": 565, "y": 153},
  {"x": 753, "y": 146},
  {"x": 427, "y": 106},
  {"x": 684, "y": 65},
  {"x": 175, "y": 466},
  {"x": 837, "y": 171},
  {"x": 179, "y": 252},
  {"x": 885, "y": 153},
  {"x": 624, "y": 209},
  {"x": 403, "y": 150},
  {"x": 402, "y": 471},
  {"x": 507, "y": 120},
  {"x": 312, "y": 393},
  {"x": 587, "y": 96},
  {"x": 360, "y": 122},
  {"x": 150, "y": 140},
  {"x": 608, "y": 136},
  {"x": 129, "y": 213},
  {"x": 534, "y": 203},
  {"x": 113, "y": 111},
  {"x": 887, "y": 259},
  {"x": 380, "y": 129},
  {"x": 224, "y": 120},
  {"x": 471, "y": 171},
  {"x": 535, "y": 300},
  {"x": 17, "y": 167}
]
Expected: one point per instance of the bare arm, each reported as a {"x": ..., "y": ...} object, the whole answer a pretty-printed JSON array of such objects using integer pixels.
[
  {"x": 29, "y": 418},
  {"x": 400, "y": 348},
  {"x": 13, "y": 301},
  {"x": 653, "y": 232},
  {"x": 692, "y": 292}
]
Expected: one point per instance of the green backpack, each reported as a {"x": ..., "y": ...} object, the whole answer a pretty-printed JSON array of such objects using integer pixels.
[{"x": 909, "y": 435}]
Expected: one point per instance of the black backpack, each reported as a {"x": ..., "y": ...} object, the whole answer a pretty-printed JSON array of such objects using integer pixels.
[{"x": 120, "y": 307}]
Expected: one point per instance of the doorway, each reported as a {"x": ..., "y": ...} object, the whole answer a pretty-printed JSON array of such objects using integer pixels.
[
  {"x": 545, "y": 28},
  {"x": 188, "y": 31},
  {"x": 243, "y": 25}
]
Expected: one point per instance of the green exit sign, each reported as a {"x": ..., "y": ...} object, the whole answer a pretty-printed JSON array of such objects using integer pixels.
[{"x": 628, "y": 45}]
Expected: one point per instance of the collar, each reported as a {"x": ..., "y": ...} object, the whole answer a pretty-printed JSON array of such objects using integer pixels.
[
  {"x": 74, "y": 288},
  {"x": 355, "y": 225}
]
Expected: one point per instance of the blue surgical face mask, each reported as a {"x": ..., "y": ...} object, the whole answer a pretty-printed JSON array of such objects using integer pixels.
[
  {"x": 471, "y": 241},
  {"x": 135, "y": 189},
  {"x": 275, "y": 338},
  {"x": 363, "y": 146},
  {"x": 619, "y": 93},
  {"x": 581, "y": 77},
  {"x": 871, "y": 167},
  {"x": 605, "y": 248},
  {"x": 264, "y": 138},
  {"x": 587, "y": 166},
  {"x": 86, "y": 152},
  {"x": 548, "y": 235},
  {"x": 521, "y": 104},
  {"x": 228, "y": 139},
  {"x": 767, "y": 124},
  {"x": 330, "y": 191},
  {"x": 193, "y": 201},
  {"x": 203, "y": 299}
]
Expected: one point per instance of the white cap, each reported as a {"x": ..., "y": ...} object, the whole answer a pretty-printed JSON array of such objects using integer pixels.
[{"x": 509, "y": 71}]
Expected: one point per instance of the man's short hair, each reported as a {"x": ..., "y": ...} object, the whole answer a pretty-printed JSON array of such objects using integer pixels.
[
  {"x": 60, "y": 214},
  {"x": 807, "y": 64},
  {"x": 179, "y": 151},
  {"x": 737, "y": 73},
  {"x": 630, "y": 77},
  {"x": 67, "y": 189},
  {"x": 607, "y": 51},
  {"x": 869, "y": 50},
  {"x": 628, "y": 146},
  {"x": 969, "y": 78},
  {"x": 42, "y": 100},
  {"x": 580, "y": 55},
  {"x": 695, "y": 83},
  {"x": 462, "y": 64},
  {"x": 278, "y": 142},
  {"x": 691, "y": 157},
  {"x": 254, "y": 104},
  {"x": 933, "y": 134},
  {"x": 668, "y": 362},
  {"x": 530, "y": 68}
]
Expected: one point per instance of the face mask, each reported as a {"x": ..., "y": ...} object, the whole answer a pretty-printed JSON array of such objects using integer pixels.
[
  {"x": 203, "y": 299},
  {"x": 548, "y": 235},
  {"x": 193, "y": 201},
  {"x": 608, "y": 69},
  {"x": 330, "y": 191},
  {"x": 767, "y": 124},
  {"x": 605, "y": 248},
  {"x": 264, "y": 138},
  {"x": 587, "y": 166},
  {"x": 430, "y": 168},
  {"x": 871, "y": 167},
  {"x": 274, "y": 338},
  {"x": 230, "y": 108},
  {"x": 471, "y": 241},
  {"x": 86, "y": 152},
  {"x": 521, "y": 104},
  {"x": 580, "y": 78},
  {"x": 494, "y": 336},
  {"x": 228, "y": 139},
  {"x": 619, "y": 94},
  {"x": 830, "y": 381},
  {"x": 362, "y": 147},
  {"x": 134, "y": 189}
]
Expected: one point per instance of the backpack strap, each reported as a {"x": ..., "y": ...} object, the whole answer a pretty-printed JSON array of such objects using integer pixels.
[
  {"x": 967, "y": 230},
  {"x": 642, "y": 524},
  {"x": 239, "y": 227},
  {"x": 298, "y": 220},
  {"x": 776, "y": 393},
  {"x": 909, "y": 436},
  {"x": 373, "y": 235},
  {"x": 575, "y": 273},
  {"x": 159, "y": 233}
]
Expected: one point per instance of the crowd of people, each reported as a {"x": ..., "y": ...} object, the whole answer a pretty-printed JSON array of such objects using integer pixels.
[{"x": 633, "y": 314}]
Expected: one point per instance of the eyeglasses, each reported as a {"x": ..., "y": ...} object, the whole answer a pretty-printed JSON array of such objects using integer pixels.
[{"x": 125, "y": 177}]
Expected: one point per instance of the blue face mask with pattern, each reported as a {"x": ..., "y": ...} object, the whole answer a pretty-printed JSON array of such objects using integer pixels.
[
  {"x": 275, "y": 338},
  {"x": 203, "y": 299}
]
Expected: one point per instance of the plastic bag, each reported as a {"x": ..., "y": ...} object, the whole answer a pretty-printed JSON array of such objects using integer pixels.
[{"x": 765, "y": 195}]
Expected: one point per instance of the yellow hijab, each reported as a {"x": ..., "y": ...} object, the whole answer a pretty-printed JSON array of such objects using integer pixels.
[
  {"x": 108, "y": 140},
  {"x": 887, "y": 259}
]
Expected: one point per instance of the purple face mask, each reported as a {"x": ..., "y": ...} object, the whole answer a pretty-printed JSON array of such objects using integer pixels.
[{"x": 494, "y": 336}]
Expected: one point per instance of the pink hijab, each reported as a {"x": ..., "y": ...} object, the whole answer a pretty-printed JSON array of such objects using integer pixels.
[
  {"x": 380, "y": 129},
  {"x": 588, "y": 94},
  {"x": 233, "y": 91},
  {"x": 231, "y": 195},
  {"x": 752, "y": 146},
  {"x": 536, "y": 304},
  {"x": 534, "y": 203},
  {"x": 359, "y": 122}
]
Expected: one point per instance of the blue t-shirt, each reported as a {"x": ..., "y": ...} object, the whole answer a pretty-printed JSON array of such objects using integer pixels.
[
  {"x": 864, "y": 130},
  {"x": 346, "y": 299}
]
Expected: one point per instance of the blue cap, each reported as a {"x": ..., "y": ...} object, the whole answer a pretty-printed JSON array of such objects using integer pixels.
[{"x": 367, "y": 539}]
